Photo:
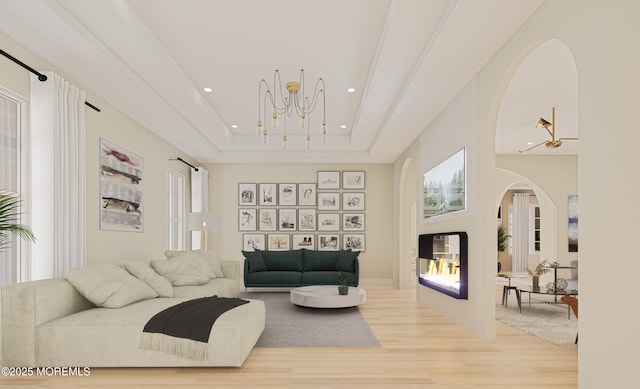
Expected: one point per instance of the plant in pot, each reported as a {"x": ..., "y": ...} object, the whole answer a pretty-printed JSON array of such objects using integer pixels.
[
  {"x": 502, "y": 243},
  {"x": 9, "y": 220},
  {"x": 343, "y": 289}
]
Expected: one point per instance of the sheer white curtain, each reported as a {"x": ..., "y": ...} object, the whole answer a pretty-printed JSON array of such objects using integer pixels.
[
  {"x": 199, "y": 199},
  {"x": 58, "y": 176},
  {"x": 520, "y": 235}
]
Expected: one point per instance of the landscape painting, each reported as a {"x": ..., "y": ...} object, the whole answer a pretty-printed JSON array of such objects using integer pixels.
[
  {"x": 444, "y": 186},
  {"x": 573, "y": 223}
]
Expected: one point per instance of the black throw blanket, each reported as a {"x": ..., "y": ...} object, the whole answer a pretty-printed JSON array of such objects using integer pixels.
[{"x": 190, "y": 321}]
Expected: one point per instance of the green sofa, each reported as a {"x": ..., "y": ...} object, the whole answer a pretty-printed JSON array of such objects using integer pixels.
[{"x": 283, "y": 269}]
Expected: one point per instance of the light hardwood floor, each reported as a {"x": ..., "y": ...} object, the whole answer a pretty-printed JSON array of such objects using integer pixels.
[{"x": 419, "y": 349}]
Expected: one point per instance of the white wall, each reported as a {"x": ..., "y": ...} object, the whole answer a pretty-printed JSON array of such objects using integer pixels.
[
  {"x": 375, "y": 262},
  {"x": 603, "y": 39},
  {"x": 109, "y": 246}
]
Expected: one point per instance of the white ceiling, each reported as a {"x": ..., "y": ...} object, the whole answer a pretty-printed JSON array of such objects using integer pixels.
[{"x": 151, "y": 59}]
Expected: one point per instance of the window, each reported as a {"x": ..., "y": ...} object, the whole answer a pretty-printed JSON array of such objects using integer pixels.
[
  {"x": 534, "y": 229},
  {"x": 174, "y": 210},
  {"x": 14, "y": 258}
]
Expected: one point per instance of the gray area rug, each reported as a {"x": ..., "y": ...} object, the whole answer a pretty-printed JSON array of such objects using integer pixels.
[
  {"x": 288, "y": 325},
  {"x": 546, "y": 321}
]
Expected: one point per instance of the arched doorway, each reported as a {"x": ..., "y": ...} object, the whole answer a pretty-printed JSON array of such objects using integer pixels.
[{"x": 407, "y": 226}]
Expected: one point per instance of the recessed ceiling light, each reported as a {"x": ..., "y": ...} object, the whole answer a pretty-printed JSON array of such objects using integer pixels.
[
  {"x": 234, "y": 126},
  {"x": 208, "y": 90},
  {"x": 529, "y": 143},
  {"x": 351, "y": 90},
  {"x": 343, "y": 126}
]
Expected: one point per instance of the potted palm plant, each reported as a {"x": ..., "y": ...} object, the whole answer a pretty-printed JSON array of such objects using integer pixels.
[
  {"x": 9, "y": 220},
  {"x": 343, "y": 289},
  {"x": 502, "y": 243}
]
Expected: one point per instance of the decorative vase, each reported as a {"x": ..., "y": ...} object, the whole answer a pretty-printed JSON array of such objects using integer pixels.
[
  {"x": 343, "y": 290},
  {"x": 536, "y": 281}
]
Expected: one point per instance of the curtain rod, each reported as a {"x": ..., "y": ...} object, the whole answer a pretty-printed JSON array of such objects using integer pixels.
[
  {"x": 41, "y": 76},
  {"x": 185, "y": 162}
]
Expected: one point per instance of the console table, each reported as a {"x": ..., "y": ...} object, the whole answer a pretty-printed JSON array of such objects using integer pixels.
[{"x": 555, "y": 277}]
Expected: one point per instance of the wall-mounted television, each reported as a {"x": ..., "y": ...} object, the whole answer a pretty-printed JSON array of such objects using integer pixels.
[{"x": 444, "y": 186}]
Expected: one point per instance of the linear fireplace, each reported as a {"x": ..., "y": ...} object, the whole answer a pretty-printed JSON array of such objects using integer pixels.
[{"x": 442, "y": 263}]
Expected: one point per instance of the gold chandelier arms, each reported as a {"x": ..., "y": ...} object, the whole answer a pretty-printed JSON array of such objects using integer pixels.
[{"x": 289, "y": 101}]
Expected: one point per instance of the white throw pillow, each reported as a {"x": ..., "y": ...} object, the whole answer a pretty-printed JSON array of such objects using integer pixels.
[
  {"x": 142, "y": 271},
  {"x": 109, "y": 286},
  {"x": 180, "y": 273},
  {"x": 207, "y": 261}
]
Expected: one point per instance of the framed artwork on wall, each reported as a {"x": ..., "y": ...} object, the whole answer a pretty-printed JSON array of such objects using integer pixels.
[
  {"x": 287, "y": 219},
  {"x": 121, "y": 189},
  {"x": 353, "y": 201},
  {"x": 307, "y": 219},
  {"x": 252, "y": 242},
  {"x": 278, "y": 242},
  {"x": 246, "y": 194},
  {"x": 328, "y": 222},
  {"x": 303, "y": 241},
  {"x": 247, "y": 219},
  {"x": 353, "y": 222},
  {"x": 328, "y": 242},
  {"x": 444, "y": 186},
  {"x": 287, "y": 194},
  {"x": 329, "y": 180},
  {"x": 267, "y": 220},
  {"x": 353, "y": 180},
  {"x": 267, "y": 194},
  {"x": 307, "y": 194},
  {"x": 353, "y": 242},
  {"x": 328, "y": 201}
]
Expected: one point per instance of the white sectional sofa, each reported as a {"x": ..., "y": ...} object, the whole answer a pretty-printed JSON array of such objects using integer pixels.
[{"x": 50, "y": 323}]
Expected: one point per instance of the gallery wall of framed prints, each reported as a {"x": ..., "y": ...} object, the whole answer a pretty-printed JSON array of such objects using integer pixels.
[{"x": 327, "y": 215}]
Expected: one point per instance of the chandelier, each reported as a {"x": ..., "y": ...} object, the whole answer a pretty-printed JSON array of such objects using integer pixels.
[{"x": 283, "y": 105}]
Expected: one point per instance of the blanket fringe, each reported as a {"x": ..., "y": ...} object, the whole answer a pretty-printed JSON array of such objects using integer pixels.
[{"x": 182, "y": 347}]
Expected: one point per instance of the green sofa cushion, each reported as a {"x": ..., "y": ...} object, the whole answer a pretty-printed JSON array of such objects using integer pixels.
[
  {"x": 279, "y": 279},
  {"x": 347, "y": 260},
  {"x": 255, "y": 260},
  {"x": 326, "y": 278},
  {"x": 320, "y": 260},
  {"x": 283, "y": 260}
]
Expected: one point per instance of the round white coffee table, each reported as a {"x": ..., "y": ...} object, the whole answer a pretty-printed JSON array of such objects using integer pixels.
[{"x": 326, "y": 296}]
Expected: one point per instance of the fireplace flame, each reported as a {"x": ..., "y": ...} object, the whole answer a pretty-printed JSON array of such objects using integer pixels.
[{"x": 442, "y": 272}]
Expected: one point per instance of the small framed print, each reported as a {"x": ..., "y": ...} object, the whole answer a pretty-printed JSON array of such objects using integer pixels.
[
  {"x": 267, "y": 194},
  {"x": 247, "y": 219},
  {"x": 287, "y": 194},
  {"x": 267, "y": 220},
  {"x": 303, "y": 241},
  {"x": 353, "y": 221},
  {"x": 353, "y": 242},
  {"x": 246, "y": 194},
  {"x": 307, "y": 194},
  {"x": 278, "y": 242},
  {"x": 328, "y": 242},
  {"x": 353, "y": 180},
  {"x": 306, "y": 219},
  {"x": 287, "y": 219},
  {"x": 328, "y": 201},
  {"x": 253, "y": 242},
  {"x": 328, "y": 180},
  {"x": 328, "y": 222},
  {"x": 353, "y": 201}
]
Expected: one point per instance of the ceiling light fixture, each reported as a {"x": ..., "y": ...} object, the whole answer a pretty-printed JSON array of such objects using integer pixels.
[
  {"x": 554, "y": 143},
  {"x": 208, "y": 90},
  {"x": 351, "y": 90},
  {"x": 284, "y": 105}
]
